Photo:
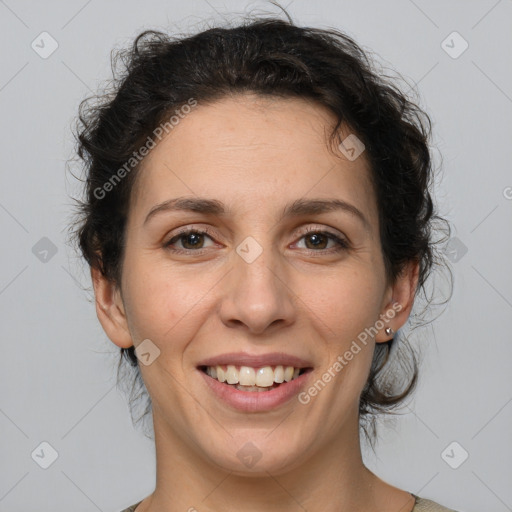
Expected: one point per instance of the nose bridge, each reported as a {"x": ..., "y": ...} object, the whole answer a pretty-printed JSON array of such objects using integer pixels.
[{"x": 257, "y": 295}]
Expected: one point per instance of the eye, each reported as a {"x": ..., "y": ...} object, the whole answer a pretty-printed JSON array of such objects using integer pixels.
[
  {"x": 192, "y": 240},
  {"x": 316, "y": 240}
]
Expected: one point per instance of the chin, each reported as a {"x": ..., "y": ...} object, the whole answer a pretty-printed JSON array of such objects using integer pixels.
[{"x": 258, "y": 454}]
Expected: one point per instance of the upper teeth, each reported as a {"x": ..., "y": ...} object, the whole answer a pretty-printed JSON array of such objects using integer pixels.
[{"x": 248, "y": 376}]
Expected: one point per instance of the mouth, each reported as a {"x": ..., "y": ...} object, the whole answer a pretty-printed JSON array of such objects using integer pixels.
[
  {"x": 254, "y": 379},
  {"x": 255, "y": 383}
]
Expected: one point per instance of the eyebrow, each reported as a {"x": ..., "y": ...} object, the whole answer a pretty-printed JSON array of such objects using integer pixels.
[{"x": 297, "y": 208}]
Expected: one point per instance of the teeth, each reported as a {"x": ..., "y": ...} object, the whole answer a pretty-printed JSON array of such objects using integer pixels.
[
  {"x": 279, "y": 374},
  {"x": 250, "y": 388},
  {"x": 231, "y": 375},
  {"x": 221, "y": 374},
  {"x": 253, "y": 379},
  {"x": 247, "y": 376},
  {"x": 265, "y": 377}
]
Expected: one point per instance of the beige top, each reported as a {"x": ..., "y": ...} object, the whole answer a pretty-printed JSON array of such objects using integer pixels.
[{"x": 422, "y": 505}]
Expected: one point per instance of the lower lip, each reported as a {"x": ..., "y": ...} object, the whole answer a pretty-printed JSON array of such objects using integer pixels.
[{"x": 256, "y": 401}]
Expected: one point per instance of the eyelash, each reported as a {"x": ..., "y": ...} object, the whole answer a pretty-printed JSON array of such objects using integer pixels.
[{"x": 343, "y": 244}]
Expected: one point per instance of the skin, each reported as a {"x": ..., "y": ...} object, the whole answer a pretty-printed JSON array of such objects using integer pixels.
[{"x": 255, "y": 155}]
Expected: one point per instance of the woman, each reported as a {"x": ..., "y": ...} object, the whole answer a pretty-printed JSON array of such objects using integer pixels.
[{"x": 258, "y": 224}]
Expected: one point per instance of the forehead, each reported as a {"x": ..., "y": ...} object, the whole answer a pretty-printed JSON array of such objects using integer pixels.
[{"x": 253, "y": 153}]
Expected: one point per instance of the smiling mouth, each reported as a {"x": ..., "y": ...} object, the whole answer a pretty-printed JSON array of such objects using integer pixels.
[{"x": 246, "y": 378}]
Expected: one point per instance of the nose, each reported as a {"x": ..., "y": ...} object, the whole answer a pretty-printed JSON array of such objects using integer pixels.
[{"x": 257, "y": 295}]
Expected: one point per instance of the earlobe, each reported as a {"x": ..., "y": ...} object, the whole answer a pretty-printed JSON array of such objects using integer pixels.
[
  {"x": 110, "y": 309},
  {"x": 398, "y": 308}
]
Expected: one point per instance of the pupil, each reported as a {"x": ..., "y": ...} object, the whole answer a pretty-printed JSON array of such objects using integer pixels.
[
  {"x": 317, "y": 238},
  {"x": 192, "y": 236}
]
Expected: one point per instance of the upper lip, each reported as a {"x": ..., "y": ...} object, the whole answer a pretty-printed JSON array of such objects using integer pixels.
[{"x": 256, "y": 361}]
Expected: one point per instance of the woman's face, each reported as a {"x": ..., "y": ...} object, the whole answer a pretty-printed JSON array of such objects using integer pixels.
[{"x": 268, "y": 285}]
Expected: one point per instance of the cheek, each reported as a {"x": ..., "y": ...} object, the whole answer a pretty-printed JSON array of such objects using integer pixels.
[
  {"x": 342, "y": 309},
  {"x": 346, "y": 302},
  {"x": 162, "y": 301}
]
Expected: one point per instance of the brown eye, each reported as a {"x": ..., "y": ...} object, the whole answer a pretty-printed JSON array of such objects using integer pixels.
[
  {"x": 317, "y": 241},
  {"x": 190, "y": 240}
]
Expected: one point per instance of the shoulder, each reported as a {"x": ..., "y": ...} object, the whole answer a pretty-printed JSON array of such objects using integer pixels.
[
  {"x": 132, "y": 508},
  {"x": 424, "y": 505}
]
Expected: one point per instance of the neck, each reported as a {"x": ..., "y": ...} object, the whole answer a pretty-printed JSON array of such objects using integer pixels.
[{"x": 332, "y": 479}]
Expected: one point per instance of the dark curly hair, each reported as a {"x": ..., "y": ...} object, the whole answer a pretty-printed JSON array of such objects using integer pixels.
[{"x": 277, "y": 58}]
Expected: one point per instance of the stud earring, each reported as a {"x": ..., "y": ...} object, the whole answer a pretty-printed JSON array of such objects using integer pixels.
[{"x": 389, "y": 331}]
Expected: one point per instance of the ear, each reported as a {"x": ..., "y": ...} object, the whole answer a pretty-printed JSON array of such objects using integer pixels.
[
  {"x": 110, "y": 309},
  {"x": 399, "y": 301}
]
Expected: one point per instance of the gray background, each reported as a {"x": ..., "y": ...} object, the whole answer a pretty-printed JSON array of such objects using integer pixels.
[{"x": 58, "y": 367}]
